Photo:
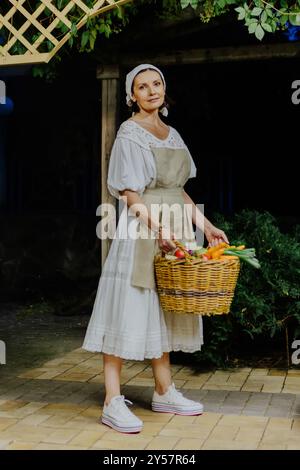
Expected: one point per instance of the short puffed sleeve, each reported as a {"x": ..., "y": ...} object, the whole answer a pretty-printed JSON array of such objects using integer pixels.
[{"x": 129, "y": 167}]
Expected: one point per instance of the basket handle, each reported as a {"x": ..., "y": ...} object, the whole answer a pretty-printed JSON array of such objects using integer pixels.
[
  {"x": 179, "y": 245},
  {"x": 182, "y": 247}
]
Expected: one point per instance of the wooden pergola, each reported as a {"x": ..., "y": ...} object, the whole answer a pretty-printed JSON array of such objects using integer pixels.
[{"x": 43, "y": 25}]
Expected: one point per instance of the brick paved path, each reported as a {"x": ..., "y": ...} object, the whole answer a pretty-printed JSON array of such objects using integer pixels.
[{"x": 58, "y": 405}]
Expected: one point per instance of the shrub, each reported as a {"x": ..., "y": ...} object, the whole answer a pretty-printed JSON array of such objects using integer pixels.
[{"x": 266, "y": 305}]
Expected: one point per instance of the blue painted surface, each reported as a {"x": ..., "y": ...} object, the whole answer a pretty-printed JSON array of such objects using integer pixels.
[
  {"x": 292, "y": 32},
  {"x": 7, "y": 108}
]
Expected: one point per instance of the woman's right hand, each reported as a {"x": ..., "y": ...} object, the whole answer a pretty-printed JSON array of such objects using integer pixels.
[{"x": 166, "y": 244}]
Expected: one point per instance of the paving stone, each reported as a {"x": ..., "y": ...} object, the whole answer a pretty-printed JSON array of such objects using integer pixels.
[
  {"x": 275, "y": 411},
  {"x": 257, "y": 404},
  {"x": 6, "y": 423},
  {"x": 4, "y": 443},
  {"x": 214, "y": 408},
  {"x": 21, "y": 445},
  {"x": 238, "y": 395},
  {"x": 67, "y": 412},
  {"x": 231, "y": 409},
  {"x": 61, "y": 436},
  {"x": 253, "y": 412},
  {"x": 279, "y": 402},
  {"x": 234, "y": 402},
  {"x": 277, "y": 424},
  {"x": 195, "y": 395},
  {"x": 223, "y": 444},
  {"x": 191, "y": 430}
]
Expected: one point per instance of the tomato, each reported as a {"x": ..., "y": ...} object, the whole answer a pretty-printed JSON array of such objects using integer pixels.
[{"x": 179, "y": 253}]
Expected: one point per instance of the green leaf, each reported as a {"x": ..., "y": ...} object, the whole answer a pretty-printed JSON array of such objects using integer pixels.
[
  {"x": 84, "y": 39},
  {"x": 249, "y": 21},
  {"x": 92, "y": 38},
  {"x": 102, "y": 28},
  {"x": 242, "y": 13},
  {"x": 184, "y": 3},
  {"x": 252, "y": 27},
  {"x": 269, "y": 12},
  {"x": 295, "y": 19},
  {"x": 263, "y": 17},
  {"x": 194, "y": 4},
  {"x": 256, "y": 11},
  {"x": 74, "y": 30},
  {"x": 283, "y": 19},
  {"x": 274, "y": 25},
  {"x": 267, "y": 27},
  {"x": 284, "y": 3},
  {"x": 259, "y": 32},
  {"x": 118, "y": 11}
]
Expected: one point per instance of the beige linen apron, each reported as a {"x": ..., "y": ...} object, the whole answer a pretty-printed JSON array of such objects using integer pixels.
[{"x": 173, "y": 168}]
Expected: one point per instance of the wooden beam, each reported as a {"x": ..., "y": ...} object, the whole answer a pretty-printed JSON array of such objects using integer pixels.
[
  {"x": 218, "y": 54},
  {"x": 109, "y": 76}
]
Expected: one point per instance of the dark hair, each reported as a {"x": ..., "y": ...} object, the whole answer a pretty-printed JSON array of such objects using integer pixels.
[{"x": 135, "y": 108}]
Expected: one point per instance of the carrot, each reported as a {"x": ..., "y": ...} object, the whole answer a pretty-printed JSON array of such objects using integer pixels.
[
  {"x": 216, "y": 254},
  {"x": 228, "y": 257}
]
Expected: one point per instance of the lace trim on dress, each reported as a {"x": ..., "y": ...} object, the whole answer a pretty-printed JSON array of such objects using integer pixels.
[
  {"x": 128, "y": 355},
  {"x": 133, "y": 131}
]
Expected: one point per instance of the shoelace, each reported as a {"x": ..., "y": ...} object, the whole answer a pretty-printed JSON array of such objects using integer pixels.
[
  {"x": 125, "y": 400},
  {"x": 176, "y": 392}
]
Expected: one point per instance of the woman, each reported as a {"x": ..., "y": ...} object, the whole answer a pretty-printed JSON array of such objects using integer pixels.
[{"x": 149, "y": 163}]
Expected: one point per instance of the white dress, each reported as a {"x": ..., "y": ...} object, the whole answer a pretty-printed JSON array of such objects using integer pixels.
[{"x": 128, "y": 321}]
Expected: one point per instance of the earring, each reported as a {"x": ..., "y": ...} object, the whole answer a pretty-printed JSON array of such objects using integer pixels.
[{"x": 164, "y": 110}]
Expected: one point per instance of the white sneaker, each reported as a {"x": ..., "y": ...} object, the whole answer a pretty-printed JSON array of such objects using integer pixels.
[
  {"x": 119, "y": 417},
  {"x": 174, "y": 402}
]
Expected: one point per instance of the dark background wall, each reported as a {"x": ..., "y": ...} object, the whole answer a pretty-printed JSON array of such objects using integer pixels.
[
  {"x": 52, "y": 142},
  {"x": 237, "y": 119}
]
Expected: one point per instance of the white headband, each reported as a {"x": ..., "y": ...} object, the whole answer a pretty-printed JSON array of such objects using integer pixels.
[{"x": 129, "y": 80}]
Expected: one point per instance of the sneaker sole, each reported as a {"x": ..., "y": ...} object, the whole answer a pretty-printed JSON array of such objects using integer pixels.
[
  {"x": 127, "y": 430},
  {"x": 161, "y": 408}
]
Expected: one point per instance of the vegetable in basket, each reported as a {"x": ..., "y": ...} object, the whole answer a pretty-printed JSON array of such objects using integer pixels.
[{"x": 221, "y": 252}]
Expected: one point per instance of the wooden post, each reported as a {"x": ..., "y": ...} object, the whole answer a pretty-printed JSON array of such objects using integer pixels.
[{"x": 109, "y": 76}]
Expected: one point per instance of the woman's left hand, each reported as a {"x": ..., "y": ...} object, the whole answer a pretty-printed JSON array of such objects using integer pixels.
[{"x": 215, "y": 236}]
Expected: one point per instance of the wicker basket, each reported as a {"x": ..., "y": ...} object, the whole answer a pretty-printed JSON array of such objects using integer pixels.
[{"x": 196, "y": 286}]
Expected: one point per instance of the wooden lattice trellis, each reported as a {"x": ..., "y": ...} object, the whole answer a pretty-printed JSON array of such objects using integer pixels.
[{"x": 41, "y": 30}]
